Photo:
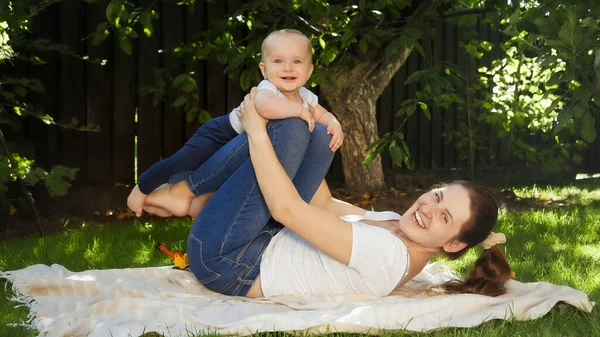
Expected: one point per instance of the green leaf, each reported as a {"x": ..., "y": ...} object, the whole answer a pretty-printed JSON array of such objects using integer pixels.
[
  {"x": 179, "y": 79},
  {"x": 590, "y": 22},
  {"x": 390, "y": 50},
  {"x": 113, "y": 11},
  {"x": 565, "y": 116},
  {"x": 406, "y": 150},
  {"x": 410, "y": 110},
  {"x": 204, "y": 116},
  {"x": 101, "y": 33},
  {"x": 146, "y": 21},
  {"x": 125, "y": 45},
  {"x": 363, "y": 44},
  {"x": 588, "y": 129},
  {"x": 328, "y": 55},
  {"x": 188, "y": 85},
  {"x": 246, "y": 80},
  {"x": 190, "y": 115},
  {"x": 397, "y": 154},
  {"x": 322, "y": 42},
  {"x": 181, "y": 100}
]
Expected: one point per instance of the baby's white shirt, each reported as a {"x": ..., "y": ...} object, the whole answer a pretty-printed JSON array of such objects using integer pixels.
[
  {"x": 379, "y": 261},
  {"x": 307, "y": 98}
]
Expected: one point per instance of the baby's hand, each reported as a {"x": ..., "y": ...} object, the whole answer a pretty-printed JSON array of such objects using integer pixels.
[
  {"x": 335, "y": 129},
  {"x": 135, "y": 201},
  {"x": 307, "y": 116}
]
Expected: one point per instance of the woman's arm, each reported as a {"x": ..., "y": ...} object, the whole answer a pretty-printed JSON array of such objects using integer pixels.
[
  {"x": 325, "y": 201},
  {"x": 318, "y": 227}
]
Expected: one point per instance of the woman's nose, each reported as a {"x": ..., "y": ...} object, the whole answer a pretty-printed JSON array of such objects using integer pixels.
[{"x": 427, "y": 209}]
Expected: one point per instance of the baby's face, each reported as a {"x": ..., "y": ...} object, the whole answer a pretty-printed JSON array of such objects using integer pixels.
[{"x": 287, "y": 62}]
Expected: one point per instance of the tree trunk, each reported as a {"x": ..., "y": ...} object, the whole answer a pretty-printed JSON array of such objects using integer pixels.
[
  {"x": 354, "y": 101},
  {"x": 355, "y": 110}
]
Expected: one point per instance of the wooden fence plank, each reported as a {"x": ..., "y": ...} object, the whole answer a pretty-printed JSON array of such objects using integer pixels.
[
  {"x": 44, "y": 136},
  {"x": 450, "y": 47},
  {"x": 173, "y": 117},
  {"x": 193, "y": 26},
  {"x": 149, "y": 135},
  {"x": 436, "y": 112},
  {"x": 412, "y": 124},
  {"x": 399, "y": 95},
  {"x": 125, "y": 104},
  {"x": 99, "y": 100},
  {"x": 72, "y": 88},
  {"x": 235, "y": 95},
  {"x": 217, "y": 88},
  {"x": 424, "y": 139}
]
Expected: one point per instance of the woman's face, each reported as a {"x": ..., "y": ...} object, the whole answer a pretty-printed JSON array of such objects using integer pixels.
[{"x": 435, "y": 219}]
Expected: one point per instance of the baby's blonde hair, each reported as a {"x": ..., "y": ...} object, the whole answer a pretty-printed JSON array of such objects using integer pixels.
[{"x": 285, "y": 31}]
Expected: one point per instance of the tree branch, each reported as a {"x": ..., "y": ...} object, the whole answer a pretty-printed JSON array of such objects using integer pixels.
[
  {"x": 389, "y": 66},
  {"x": 472, "y": 11},
  {"x": 302, "y": 21},
  {"x": 386, "y": 71}
]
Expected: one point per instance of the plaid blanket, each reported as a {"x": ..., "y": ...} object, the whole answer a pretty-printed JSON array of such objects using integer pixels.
[{"x": 130, "y": 302}]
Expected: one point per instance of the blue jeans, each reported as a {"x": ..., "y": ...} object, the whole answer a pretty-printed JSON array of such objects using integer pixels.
[
  {"x": 209, "y": 138},
  {"x": 231, "y": 232}
]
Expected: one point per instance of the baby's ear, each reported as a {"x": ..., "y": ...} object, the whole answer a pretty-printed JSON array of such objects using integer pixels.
[{"x": 263, "y": 69}]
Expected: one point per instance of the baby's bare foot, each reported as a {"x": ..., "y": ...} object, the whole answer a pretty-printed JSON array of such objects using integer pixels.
[
  {"x": 161, "y": 212},
  {"x": 173, "y": 199}
]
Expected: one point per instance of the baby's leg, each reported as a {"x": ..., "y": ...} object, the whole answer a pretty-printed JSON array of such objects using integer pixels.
[{"x": 207, "y": 140}]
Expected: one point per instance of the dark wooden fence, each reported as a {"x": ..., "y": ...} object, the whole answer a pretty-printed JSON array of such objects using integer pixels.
[{"x": 136, "y": 133}]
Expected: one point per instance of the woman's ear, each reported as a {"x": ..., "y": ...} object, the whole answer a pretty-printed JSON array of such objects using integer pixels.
[{"x": 454, "y": 246}]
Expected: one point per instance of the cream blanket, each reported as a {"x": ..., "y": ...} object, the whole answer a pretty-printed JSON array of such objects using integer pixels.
[{"x": 129, "y": 302}]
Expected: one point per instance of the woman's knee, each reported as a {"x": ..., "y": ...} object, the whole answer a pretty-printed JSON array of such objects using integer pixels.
[{"x": 293, "y": 130}]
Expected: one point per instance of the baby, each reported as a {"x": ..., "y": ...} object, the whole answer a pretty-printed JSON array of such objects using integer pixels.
[{"x": 286, "y": 66}]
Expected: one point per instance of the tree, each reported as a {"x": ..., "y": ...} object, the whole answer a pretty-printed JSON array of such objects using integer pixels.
[{"x": 360, "y": 45}]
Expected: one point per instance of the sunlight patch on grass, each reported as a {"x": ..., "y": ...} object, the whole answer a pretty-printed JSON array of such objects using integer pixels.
[
  {"x": 575, "y": 194},
  {"x": 96, "y": 254},
  {"x": 591, "y": 251},
  {"x": 143, "y": 254}
]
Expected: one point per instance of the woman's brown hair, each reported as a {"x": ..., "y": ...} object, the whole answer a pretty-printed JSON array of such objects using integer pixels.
[{"x": 491, "y": 270}]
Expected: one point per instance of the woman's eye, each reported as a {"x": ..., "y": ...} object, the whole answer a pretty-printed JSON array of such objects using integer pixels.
[
  {"x": 445, "y": 218},
  {"x": 437, "y": 197}
]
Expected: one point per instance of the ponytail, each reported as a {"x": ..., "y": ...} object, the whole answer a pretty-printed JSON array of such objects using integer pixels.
[{"x": 490, "y": 272}]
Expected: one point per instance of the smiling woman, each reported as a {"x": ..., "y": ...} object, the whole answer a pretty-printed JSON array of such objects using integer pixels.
[{"x": 273, "y": 228}]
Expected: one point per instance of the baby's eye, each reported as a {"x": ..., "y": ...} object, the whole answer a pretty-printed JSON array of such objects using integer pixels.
[
  {"x": 277, "y": 61},
  {"x": 297, "y": 61}
]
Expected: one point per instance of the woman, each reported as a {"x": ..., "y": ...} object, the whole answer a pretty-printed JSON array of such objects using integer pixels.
[{"x": 327, "y": 246}]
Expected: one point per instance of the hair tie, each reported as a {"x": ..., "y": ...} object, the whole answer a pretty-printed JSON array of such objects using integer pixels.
[{"x": 493, "y": 239}]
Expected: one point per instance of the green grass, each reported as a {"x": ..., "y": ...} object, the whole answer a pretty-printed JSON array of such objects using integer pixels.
[{"x": 559, "y": 245}]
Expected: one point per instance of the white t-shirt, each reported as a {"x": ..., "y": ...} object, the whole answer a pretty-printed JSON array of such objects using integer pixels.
[
  {"x": 307, "y": 98},
  {"x": 379, "y": 261}
]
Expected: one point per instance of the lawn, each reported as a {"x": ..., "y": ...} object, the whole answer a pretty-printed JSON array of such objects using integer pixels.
[{"x": 558, "y": 242}]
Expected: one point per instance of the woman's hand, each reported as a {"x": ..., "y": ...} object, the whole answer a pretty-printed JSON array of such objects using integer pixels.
[{"x": 251, "y": 120}]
